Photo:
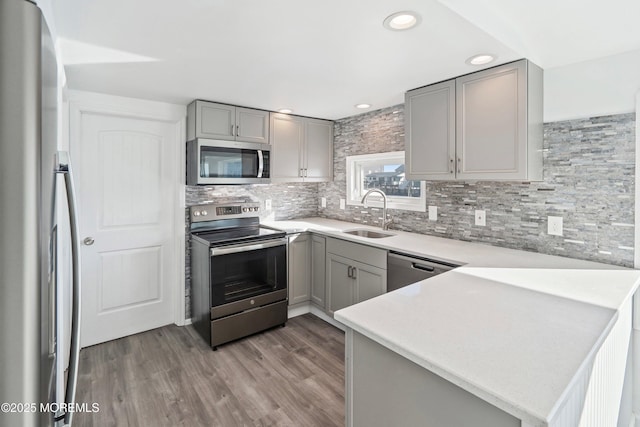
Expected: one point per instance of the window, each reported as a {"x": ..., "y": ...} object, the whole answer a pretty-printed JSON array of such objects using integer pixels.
[{"x": 386, "y": 172}]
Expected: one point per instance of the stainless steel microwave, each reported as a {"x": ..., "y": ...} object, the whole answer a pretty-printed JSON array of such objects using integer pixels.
[{"x": 212, "y": 161}]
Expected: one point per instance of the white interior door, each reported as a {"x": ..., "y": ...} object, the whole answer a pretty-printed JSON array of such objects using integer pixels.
[{"x": 126, "y": 182}]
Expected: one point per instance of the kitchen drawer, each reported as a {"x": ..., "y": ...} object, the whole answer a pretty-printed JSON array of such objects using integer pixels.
[{"x": 357, "y": 252}]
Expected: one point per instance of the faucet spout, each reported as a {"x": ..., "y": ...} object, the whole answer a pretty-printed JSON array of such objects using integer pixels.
[{"x": 385, "y": 223}]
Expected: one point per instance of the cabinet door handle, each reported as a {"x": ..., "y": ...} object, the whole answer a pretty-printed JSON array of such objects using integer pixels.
[
  {"x": 232, "y": 130},
  {"x": 451, "y": 168},
  {"x": 354, "y": 272},
  {"x": 349, "y": 271},
  {"x": 459, "y": 164},
  {"x": 237, "y": 130}
]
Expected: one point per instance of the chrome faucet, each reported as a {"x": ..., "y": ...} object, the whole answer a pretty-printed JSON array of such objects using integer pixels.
[{"x": 385, "y": 223}]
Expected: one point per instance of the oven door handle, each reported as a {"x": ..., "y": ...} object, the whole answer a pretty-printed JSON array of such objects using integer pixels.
[{"x": 243, "y": 247}]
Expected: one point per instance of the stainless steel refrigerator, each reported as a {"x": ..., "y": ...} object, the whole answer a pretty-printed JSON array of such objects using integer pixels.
[{"x": 30, "y": 170}]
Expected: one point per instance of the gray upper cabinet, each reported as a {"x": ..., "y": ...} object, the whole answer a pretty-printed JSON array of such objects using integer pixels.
[
  {"x": 287, "y": 134},
  {"x": 482, "y": 126},
  {"x": 221, "y": 121},
  {"x": 430, "y": 134},
  {"x": 252, "y": 125},
  {"x": 302, "y": 149},
  {"x": 317, "y": 158}
]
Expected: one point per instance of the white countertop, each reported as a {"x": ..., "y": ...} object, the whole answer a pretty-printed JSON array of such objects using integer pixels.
[
  {"x": 514, "y": 328},
  {"x": 456, "y": 251}
]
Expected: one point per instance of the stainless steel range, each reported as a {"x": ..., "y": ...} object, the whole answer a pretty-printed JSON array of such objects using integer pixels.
[{"x": 238, "y": 272}]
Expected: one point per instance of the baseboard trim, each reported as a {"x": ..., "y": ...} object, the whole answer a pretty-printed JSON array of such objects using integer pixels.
[
  {"x": 324, "y": 316},
  {"x": 298, "y": 310},
  {"x": 304, "y": 308},
  {"x": 186, "y": 322}
]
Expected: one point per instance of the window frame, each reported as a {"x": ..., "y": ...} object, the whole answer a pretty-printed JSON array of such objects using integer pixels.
[{"x": 416, "y": 204}]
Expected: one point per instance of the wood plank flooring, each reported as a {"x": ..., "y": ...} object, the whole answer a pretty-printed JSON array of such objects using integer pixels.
[{"x": 291, "y": 376}]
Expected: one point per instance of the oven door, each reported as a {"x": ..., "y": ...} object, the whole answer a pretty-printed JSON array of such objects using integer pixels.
[
  {"x": 229, "y": 162},
  {"x": 248, "y": 275}
]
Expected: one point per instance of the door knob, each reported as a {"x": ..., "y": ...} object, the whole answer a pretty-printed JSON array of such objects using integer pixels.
[{"x": 88, "y": 241}]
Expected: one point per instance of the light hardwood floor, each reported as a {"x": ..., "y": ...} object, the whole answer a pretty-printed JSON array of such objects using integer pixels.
[{"x": 291, "y": 376}]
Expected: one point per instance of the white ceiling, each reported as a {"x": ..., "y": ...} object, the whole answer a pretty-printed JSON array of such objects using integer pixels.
[{"x": 319, "y": 58}]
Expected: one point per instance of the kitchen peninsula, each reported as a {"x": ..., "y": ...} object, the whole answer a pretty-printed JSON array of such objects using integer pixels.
[{"x": 512, "y": 338}]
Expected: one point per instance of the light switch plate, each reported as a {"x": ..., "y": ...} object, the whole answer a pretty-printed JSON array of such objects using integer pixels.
[
  {"x": 323, "y": 202},
  {"x": 267, "y": 204},
  {"x": 342, "y": 204},
  {"x": 433, "y": 213},
  {"x": 554, "y": 225},
  {"x": 481, "y": 218}
]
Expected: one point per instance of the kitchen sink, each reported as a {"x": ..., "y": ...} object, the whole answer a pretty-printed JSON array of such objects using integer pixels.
[{"x": 371, "y": 234}]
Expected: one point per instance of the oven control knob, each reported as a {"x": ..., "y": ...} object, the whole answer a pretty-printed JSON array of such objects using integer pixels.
[
  {"x": 255, "y": 209},
  {"x": 204, "y": 213},
  {"x": 245, "y": 209},
  {"x": 196, "y": 213}
]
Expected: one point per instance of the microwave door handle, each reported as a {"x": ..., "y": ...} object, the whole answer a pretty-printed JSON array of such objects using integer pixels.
[{"x": 260, "y": 164}]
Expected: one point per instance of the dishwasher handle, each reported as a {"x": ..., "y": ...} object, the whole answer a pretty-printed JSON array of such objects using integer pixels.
[
  {"x": 420, "y": 263},
  {"x": 422, "y": 267}
]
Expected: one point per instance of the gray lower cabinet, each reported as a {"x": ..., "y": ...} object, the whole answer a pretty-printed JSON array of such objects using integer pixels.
[
  {"x": 318, "y": 269},
  {"x": 340, "y": 285},
  {"x": 354, "y": 273},
  {"x": 299, "y": 264},
  {"x": 411, "y": 395}
]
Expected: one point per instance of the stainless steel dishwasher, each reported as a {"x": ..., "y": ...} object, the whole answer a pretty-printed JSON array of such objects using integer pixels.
[{"x": 405, "y": 269}]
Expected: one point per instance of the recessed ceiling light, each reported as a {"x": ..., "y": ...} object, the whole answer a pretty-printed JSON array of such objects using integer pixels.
[
  {"x": 481, "y": 59},
  {"x": 400, "y": 21},
  {"x": 363, "y": 106},
  {"x": 285, "y": 110}
]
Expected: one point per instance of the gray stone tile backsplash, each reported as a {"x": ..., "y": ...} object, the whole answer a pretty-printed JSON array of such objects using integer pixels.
[{"x": 589, "y": 167}]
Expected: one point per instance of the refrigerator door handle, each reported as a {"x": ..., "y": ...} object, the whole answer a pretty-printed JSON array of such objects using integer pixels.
[
  {"x": 63, "y": 166},
  {"x": 53, "y": 289}
]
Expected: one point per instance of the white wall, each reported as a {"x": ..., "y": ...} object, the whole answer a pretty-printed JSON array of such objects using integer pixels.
[{"x": 592, "y": 88}]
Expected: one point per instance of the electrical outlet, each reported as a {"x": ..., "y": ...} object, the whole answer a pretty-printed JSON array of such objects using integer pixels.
[
  {"x": 342, "y": 204},
  {"x": 554, "y": 225},
  {"x": 267, "y": 204},
  {"x": 433, "y": 213},
  {"x": 481, "y": 218},
  {"x": 323, "y": 202}
]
